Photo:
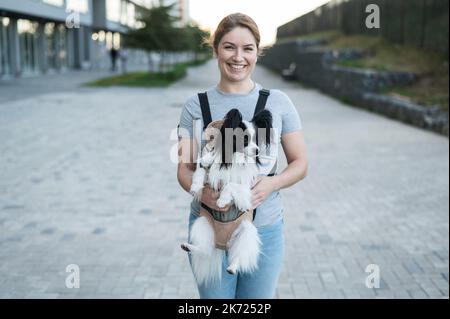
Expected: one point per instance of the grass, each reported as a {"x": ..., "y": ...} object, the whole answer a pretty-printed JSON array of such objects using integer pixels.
[
  {"x": 146, "y": 79},
  {"x": 431, "y": 87},
  {"x": 427, "y": 91}
]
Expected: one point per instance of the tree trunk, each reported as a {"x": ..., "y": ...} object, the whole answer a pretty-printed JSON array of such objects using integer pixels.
[
  {"x": 150, "y": 62},
  {"x": 161, "y": 62}
]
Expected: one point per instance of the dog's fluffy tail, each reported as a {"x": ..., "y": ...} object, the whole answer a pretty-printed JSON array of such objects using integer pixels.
[
  {"x": 207, "y": 262},
  {"x": 245, "y": 247}
]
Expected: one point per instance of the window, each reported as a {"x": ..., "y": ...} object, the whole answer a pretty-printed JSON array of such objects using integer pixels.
[
  {"x": 4, "y": 46},
  {"x": 28, "y": 41},
  {"x": 113, "y": 10},
  {"x": 51, "y": 49},
  {"x": 146, "y": 3},
  {"x": 81, "y": 6},
  {"x": 121, "y": 11},
  {"x": 131, "y": 13},
  {"x": 62, "y": 47},
  {"x": 58, "y": 3}
]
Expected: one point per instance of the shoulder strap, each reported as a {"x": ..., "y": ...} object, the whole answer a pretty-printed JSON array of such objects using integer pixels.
[
  {"x": 206, "y": 112},
  {"x": 262, "y": 99},
  {"x": 260, "y": 105}
]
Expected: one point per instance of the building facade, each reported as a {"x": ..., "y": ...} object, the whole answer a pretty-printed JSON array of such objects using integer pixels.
[{"x": 44, "y": 36}]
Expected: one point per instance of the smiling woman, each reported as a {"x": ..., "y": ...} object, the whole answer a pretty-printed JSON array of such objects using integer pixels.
[
  {"x": 236, "y": 46},
  {"x": 237, "y": 60}
]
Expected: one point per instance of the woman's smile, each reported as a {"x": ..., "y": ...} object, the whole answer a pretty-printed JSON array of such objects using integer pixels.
[{"x": 237, "y": 68}]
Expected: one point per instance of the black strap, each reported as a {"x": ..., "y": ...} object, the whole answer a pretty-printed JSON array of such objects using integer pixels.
[
  {"x": 262, "y": 99},
  {"x": 206, "y": 112},
  {"x": 260, "y": 105}
]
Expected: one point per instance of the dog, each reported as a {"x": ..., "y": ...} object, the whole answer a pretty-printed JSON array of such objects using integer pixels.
[{"x": 229, "y": 164}]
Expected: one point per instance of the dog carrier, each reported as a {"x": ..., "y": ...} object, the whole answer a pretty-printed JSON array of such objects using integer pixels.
[{"x": 224, "y": 223}]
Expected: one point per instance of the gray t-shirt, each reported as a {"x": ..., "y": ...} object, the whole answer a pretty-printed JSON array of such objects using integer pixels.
[{"x": 285, "y": 120}]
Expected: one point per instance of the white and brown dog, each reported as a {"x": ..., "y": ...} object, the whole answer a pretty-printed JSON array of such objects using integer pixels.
[{"x": 229, "y": 164}]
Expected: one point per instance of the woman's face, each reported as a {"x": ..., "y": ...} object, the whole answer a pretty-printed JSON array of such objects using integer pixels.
[{"x": 237, "y": 55}]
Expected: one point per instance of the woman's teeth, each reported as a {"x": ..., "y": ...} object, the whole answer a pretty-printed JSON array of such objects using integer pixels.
[{"x": 236, "y": 67}]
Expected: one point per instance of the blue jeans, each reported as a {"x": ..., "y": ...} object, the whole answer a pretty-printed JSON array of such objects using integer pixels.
[{"x": 260, "y": 284}]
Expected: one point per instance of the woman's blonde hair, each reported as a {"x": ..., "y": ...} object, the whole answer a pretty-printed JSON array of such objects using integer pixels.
[{"x": 228, "y": 24}]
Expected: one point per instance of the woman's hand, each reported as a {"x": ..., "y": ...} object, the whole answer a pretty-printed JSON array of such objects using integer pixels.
[
  {"x": 210, "y": 197},
  {"x": 264, "y": 186}
]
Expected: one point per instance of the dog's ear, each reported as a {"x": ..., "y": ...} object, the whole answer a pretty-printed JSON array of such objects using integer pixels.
[
  {"x": 212, "y": 131},
  {"x": 233, "y": 119},
  {"x": 263, "y": 120}
]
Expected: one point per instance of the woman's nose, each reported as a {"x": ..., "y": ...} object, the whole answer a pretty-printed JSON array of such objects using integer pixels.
[{"x": 237, "y": 55}]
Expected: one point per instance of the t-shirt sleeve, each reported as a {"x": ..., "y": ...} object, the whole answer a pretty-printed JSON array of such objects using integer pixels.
[
  {"x": 185, "y": 126},
  {"x": 291, "y": 120}
]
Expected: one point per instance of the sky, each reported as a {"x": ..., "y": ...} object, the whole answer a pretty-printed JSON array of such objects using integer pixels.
[{"x": 268, "y": 14}]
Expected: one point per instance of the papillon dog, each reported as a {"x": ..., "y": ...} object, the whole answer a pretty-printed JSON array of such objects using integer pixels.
[{"x": 229, "y": 164}]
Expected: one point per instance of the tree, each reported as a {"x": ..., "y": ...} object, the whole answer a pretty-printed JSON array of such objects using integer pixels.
[
  {"x": 195, "y": 40},
  {"x": 156, "y": 33}
]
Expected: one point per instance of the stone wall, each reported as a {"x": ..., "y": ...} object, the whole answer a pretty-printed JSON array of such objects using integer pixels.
[
  {"x": 316, "y": 67},
  {"x": 418, "y": 23}
]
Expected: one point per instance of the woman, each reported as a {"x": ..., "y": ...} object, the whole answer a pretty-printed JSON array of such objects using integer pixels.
[{"x": 236, "y": 47}]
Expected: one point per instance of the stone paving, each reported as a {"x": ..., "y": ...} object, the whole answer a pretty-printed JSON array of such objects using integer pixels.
[{"x": 86, "y": 179}]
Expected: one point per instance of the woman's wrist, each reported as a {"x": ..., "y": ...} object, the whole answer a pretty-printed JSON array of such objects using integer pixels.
[{"x": 276, "y": 183}]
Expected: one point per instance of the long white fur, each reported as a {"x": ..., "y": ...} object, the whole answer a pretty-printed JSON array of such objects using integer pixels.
[
  {"x": 247, "y": 240},
  {"x": 235, "y": 184},
  {"x": 207, "y": 260}
]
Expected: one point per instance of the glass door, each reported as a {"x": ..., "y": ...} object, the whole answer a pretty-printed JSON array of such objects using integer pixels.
[
  {"x": 62, "y": 47},
  {"x": 5, "y": 61},
  {"x": 28, "y": 42},
  {"x": 50, "y": 41}
]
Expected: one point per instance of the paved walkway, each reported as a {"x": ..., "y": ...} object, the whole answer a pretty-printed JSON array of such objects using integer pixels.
[
  {"x": 28, "y": 86},
  {"x": 85, "y": 179}
]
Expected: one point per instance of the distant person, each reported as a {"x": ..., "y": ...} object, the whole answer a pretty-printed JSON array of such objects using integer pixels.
[
  {"x": 123, "y": 55},
  {"x": 235, "y": 45},
  {"x": 113, "y": 52}
]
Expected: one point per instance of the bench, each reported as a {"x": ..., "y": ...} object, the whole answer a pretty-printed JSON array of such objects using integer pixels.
[{"x": 289, "y": 73}]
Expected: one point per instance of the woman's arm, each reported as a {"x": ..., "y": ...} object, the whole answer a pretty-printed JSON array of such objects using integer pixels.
[
  {"x": 187, "y": 151},
  {"x": 295, "y": 150},
  {"x": 186, "y": 167}
]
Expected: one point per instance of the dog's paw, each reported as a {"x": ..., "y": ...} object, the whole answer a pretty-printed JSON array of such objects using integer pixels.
[
  {"x": 232, "y": 270},
  {"x": 207, "y": 160},
  {"x": 243, "y": 205},
  {"x": 196, "y": 190},
  {"x": 221, "y": 202}
]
